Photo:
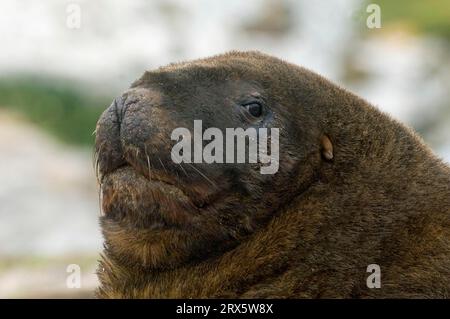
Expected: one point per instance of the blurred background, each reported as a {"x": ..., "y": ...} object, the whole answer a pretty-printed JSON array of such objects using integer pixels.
[{"x": 63, "y": 62}]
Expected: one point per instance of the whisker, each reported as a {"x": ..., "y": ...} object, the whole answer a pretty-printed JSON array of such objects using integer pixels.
[
  {"x": 148, "y": 162},
  {"x": 165, "y": 170},
  {"x": 203, "y": 175},
  {"x": 96, "y": 162},
  {"x": 100, "y": 200},
  {"x": 181, "y": 166},
  {"x": 137, "y": 152},
  {"x": 96, "y": 167},
  {"x": 149, "y": 169}
]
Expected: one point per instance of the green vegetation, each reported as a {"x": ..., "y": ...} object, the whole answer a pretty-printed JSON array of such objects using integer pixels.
[
  {"x": 63, "y": 111},
  {"x": 432, "y": 17}
]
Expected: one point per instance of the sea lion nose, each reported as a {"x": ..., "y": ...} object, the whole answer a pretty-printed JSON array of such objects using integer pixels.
[
  {"x": 134, "y": 126},
  {"x": 127, "y": 99},
  {"x": 119, "y": 105},
  {"x": 126, "y": 122},
  {"x": 139, "y": 112},
  {"x": 108, "y": 147}
]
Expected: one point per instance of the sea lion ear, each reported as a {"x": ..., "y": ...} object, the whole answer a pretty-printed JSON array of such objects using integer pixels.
[{"x": 326, "y": 147}]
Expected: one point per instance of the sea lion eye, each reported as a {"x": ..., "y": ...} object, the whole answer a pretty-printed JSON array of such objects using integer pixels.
[{"x": 254, "y": 109}]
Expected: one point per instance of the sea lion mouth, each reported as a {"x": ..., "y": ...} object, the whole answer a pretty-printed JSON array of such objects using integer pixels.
[{"x": 151, "y": 201}]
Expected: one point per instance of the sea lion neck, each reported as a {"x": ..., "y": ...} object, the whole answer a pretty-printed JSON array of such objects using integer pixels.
[{"x": 221, "y": 276}]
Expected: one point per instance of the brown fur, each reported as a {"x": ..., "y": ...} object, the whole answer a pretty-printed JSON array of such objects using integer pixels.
[{"x": 371, "y": 192}]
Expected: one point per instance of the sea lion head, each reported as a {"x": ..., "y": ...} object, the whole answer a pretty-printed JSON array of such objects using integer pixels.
[{"x": 162, "y": 214}]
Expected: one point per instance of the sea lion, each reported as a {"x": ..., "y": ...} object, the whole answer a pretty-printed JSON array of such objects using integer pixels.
[{"x": 354, "y": 188}]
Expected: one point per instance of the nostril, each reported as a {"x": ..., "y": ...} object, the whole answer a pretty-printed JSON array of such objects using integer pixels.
[
  {"x": 121, "y": 104},
  {"x": 118, "y": 109},
  {"x": 129, "y": 100}
]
